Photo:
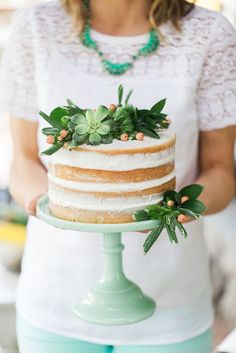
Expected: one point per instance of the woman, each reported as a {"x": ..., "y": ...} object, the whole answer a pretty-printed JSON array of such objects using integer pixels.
[{"x": 194, "y": 68}]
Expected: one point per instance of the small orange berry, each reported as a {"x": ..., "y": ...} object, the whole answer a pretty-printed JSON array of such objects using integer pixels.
[
  {"x": 184, "y": 199},
  {"x": 60, "y": 138},
  {"x": 182, "y": 218},
  {"x": 140, "y": 136},
  {"x": 112, "y": 107},
  {"x": 124, "y": 137},
  {"x": 63, "y": 133},
  {"x": 167, "y": 121},
  {"x": 50, "y": 139},
  {"x": 170, "y": 203}
]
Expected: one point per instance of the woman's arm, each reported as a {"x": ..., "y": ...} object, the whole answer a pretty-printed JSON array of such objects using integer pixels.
[
  {"x": 216, "y": 160},
  {"x": 28, "y": 178}
]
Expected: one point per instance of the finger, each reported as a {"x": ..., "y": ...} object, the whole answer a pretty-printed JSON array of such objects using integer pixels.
[{"x": 30, "y": 206}]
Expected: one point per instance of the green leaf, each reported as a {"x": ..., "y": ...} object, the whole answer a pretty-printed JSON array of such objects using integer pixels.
[
  {"x": 157, "y": 108},
  {"x": 120, "y": 94},
  {"x": 56, "y": 116},
  {"x": 181, "y": 228},
  {"x": 178, "y": 197},
  {"x": 50, "y": 120},
  {"x": 71, "y": 104},
  {"x": 53, "y": 149},
  {"x": 64, "y": 121},
  {"x": 141, "y": 215},
  {"x": 81, "y": 129},
  {"x": 103, "y": 129},
  {"x": 152, "y": 237},
  {"x": 107, "y": 139},
  {"x": 72, "y": 144},
  {"x": 78, "y": 119},
  {"x": 128, "y": 97},
  {"x": 95, "y": 138},
  {"x": 149, "y": 133},
  {"x": 91, "y": 116},
  {"x": 71, "y": 126},
  {"x": 50, "y": 131},
  {"x": 101, "y": 112},
  {"x": 192, "y": 191},
  {"x": 79, "y": 139},
  {"x": 169, "y": 194},
  {"x": 150, "y": 123},
  {"x": 195, "y": 206},
  {"x": 171, "y": 233},
  {"x": 187, "y": 212}
]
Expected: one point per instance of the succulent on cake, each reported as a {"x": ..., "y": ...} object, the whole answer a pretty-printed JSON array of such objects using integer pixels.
[
  {"x": 94, "y": 127},
  {"x": 171, "y": 213},
  {"x": 74, "y": 126}
]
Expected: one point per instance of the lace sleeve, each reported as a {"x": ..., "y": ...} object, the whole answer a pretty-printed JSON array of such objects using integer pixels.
[
  {"x": 217, "y": 87},
  {"x": 18, "y": 90}
]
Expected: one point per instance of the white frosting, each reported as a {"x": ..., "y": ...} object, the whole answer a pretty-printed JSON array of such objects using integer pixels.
[
  {"x": 93, "y": 203},
  {"x": 133, "y": 144},
  {"x": 110, "y": 187},
  {"x": 118, "y": 162}
]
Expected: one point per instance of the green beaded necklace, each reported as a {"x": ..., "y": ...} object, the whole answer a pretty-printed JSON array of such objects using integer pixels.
[{"x": 117, "y": 68}]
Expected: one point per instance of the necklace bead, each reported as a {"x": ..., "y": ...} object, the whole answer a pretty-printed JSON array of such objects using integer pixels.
[{"x": 119, "y": 68}]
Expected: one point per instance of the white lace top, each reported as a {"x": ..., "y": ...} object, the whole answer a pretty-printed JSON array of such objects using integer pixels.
[{"x": 195, "y": 69}]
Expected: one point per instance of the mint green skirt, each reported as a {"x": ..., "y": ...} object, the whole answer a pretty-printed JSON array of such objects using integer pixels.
[{"x": 34, "y": 340}]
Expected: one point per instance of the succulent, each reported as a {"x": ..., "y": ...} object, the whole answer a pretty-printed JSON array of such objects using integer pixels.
[{"x": 94, "y": 127}]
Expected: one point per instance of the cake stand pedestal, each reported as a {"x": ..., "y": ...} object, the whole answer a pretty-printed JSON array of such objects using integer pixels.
[{"x": 113, "y": 299}]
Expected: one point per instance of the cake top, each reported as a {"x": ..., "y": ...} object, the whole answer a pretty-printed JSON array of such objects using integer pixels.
[{"x": 118, "y": 123}]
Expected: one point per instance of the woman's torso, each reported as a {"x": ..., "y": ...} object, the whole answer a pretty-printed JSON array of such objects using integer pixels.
[{"x": 59, "y": 266}]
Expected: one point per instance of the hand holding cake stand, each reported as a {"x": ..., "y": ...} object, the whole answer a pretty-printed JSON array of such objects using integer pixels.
[{"x": 113, "y": 299}]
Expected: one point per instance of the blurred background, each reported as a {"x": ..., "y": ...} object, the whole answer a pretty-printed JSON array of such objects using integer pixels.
[{"x": 220, "y": 235}]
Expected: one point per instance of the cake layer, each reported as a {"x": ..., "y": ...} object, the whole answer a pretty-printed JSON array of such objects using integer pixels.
[
  {"x": 101, "y": 201},
  {"x": 116, "y": 188},
  {"x": 148, "y": 145},
  {"x": 87, "y": 216},
  {"x": 93, "y": 159},
  {"x": 108, "y": 176}
]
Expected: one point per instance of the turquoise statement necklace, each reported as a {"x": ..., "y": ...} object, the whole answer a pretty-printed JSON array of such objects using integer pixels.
[{"x": 117, "y": 68}]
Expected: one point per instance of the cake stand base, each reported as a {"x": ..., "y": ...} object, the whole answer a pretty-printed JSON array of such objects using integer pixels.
[{"x": 114, "y": 299}]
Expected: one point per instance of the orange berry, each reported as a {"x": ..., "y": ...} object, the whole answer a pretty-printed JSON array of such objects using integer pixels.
[
  {"x": 60, "y": 138},
  {"x": 112, "y": 107},
  {"x": 170, "y": 203},
  {"x": 167, "y": 121},
  {"x": 50, "y": 139},
  {"x": 184, "y": 199},
  {"x": 139, "y": 136},
  {"x": 124, "y": 137},
  {"x": 182, "y": 218},
  {"x": 63, "y": 133}
]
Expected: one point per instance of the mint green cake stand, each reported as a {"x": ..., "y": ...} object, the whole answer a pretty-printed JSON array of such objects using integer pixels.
[{"x": 113, "y": 299}]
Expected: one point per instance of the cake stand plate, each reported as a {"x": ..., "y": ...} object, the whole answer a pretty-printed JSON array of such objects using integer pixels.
[{"x": 113, "y": 299}]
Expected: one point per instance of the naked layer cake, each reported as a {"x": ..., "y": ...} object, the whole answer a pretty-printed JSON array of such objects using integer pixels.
[
  {"x": 107, "y": 163},
  {"x": 108, "y": 183}
]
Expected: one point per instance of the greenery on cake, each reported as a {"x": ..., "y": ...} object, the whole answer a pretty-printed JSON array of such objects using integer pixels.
[
  {"x": 171, "y": 212},
  {"x": 74, "y": 126}
]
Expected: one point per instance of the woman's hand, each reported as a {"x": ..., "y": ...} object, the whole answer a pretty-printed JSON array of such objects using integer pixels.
[
  {"x": 31, "y": 204},
  {"x": 28, "y": 178}
]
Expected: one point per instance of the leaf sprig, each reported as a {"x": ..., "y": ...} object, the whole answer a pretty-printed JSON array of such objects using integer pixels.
[
  {"x": 174, "y": 206},
  {"x": 75, "y": 126}
]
